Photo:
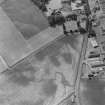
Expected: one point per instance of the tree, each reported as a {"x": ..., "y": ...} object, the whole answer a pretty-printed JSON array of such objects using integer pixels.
[
  {"x": 41, "y": 5},
  {"x": 46, "y": 1},
  {"x": 81, "y": 29},
  {"x": 56, "y": 18},
  {"x": 51, "y": 21},
  {"x": 92, "y": 33}
]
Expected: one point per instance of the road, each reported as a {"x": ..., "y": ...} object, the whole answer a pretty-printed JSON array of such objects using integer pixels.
[
  {"x": 90, "y": 92},
  {"x": 79, "y": 68},
  {"x": 80, "y": 63}
]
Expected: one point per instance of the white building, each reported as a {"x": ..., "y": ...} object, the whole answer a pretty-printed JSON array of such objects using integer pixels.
[{"x": 75, "y": 7}]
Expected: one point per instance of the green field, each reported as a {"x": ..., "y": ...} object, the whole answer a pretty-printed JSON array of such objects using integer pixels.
[{"x": 28, "y": 19}]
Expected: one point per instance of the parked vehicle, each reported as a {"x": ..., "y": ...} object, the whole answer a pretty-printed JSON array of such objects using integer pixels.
[
  {"x": 92, "y": 38},
  {"x": 93, "y": 42},
  {"x": 94, "y": 56}
]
